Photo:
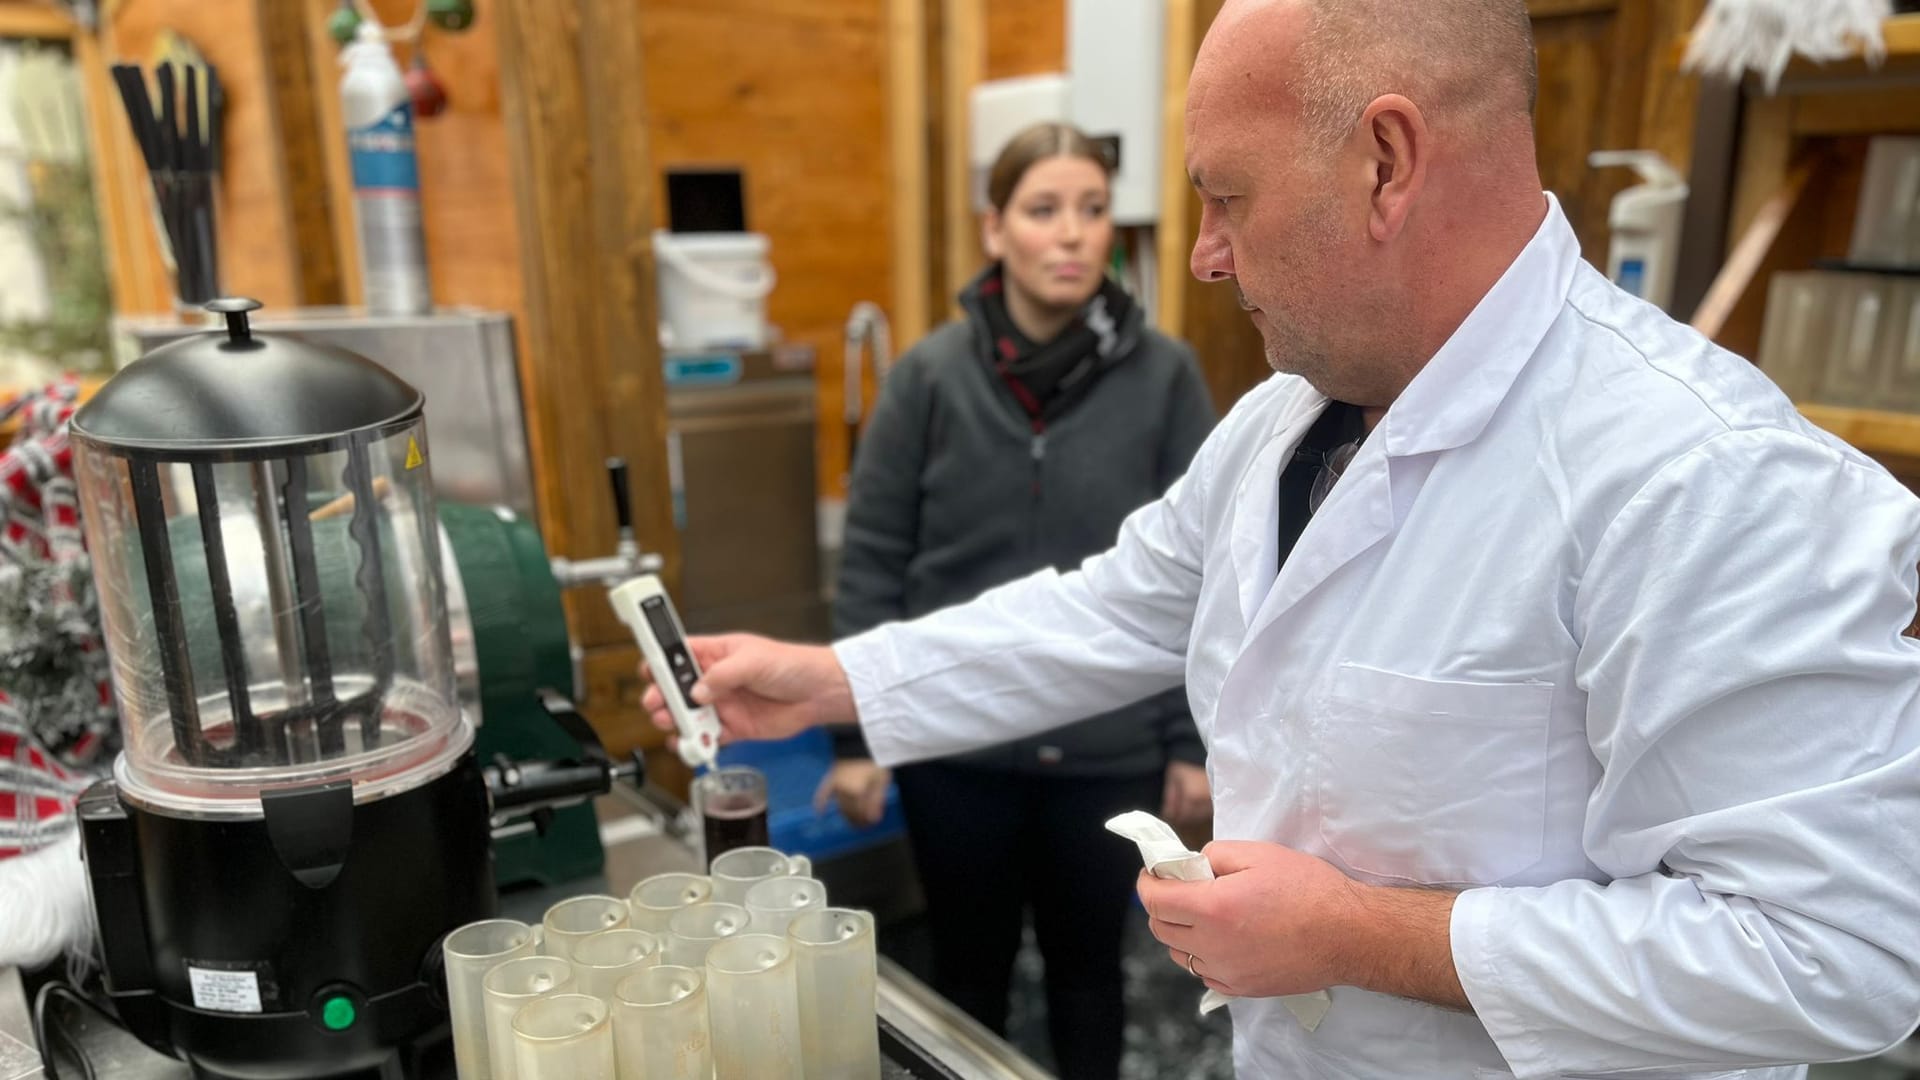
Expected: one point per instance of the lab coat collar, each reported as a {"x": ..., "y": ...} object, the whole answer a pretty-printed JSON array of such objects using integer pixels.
[{"x": 1450, "y": 401}]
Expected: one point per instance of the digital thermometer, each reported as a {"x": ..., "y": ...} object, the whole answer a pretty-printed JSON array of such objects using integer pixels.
[{"x": 644, "y": 606}]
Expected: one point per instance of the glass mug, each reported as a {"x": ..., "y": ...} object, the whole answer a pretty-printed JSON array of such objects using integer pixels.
[
  {"x": 772, "y": 904},
  {"x": 660, "y": 1025},
  {"x": 653, "y": 901},
  {"x": 471, "y": 952},
  {"x": 570, "y": 922},
  {"x": 753, "y": 1005},
  {"x": 603, "y": 959},
  {"x": 837, "y": 971},
  {"x": 731, "y": 803},
  {"x": 507, "y": 989},
  {"x": 698, "y": 928},
  {"x": 742, "y": 868},
  {"x": 564, "y": 1037}
]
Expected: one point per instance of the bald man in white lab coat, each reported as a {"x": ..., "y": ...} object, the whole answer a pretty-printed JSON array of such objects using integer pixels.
[{"x": 1576, "y": 733}]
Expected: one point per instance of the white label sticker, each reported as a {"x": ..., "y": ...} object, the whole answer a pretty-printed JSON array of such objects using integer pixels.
[{"x": 225, "y": 991}]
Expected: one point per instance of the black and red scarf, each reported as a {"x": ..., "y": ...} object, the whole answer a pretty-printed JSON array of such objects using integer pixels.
[{"x": 1046, "y": 377}]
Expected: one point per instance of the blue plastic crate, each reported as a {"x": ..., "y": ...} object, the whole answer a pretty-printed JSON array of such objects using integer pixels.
[{"x": 794, "y": 769}]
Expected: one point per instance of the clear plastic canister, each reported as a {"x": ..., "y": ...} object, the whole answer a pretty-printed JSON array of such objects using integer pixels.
[{"x": 276, "y": 616}]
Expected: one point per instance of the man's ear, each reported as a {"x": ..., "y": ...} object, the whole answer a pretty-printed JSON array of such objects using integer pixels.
[{"x": 1395, "y": 141}]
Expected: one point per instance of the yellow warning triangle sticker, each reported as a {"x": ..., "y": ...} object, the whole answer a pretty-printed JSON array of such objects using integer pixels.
[{"x": 415, "y": 458}]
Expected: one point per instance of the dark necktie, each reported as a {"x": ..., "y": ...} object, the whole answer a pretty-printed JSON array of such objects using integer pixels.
[{"x": 1340, "y": 424}]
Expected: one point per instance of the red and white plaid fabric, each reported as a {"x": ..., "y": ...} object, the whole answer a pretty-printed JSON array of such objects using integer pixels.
[
  {"x": 47, "y": 749},
  {"x": 36, "y": 792}
]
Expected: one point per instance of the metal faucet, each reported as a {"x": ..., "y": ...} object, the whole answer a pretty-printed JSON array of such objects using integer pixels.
[{"x": 627, "y": 560}]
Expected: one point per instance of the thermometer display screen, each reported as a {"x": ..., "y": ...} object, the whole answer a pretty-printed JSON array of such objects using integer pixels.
[{"x": 660, "y": 619}]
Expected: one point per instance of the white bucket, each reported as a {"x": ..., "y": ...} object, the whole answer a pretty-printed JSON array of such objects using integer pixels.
[{"x": 713, "y": 289}]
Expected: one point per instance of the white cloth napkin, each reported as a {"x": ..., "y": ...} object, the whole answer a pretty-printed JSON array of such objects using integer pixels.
[{"x": 1166, "y": 857}]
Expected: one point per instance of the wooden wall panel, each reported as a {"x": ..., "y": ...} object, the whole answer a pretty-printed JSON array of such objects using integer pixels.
[
  {"x": 793, "y": 93},
  {"x": 909, "y": 140},
  {"x": 963, "y": 65},
  {"x": 1025, "y": 37},
  {"x": 575, "y": 124},
  {"x": 1575, "y": 62},
  {"x": 303, "y": 139},
  {"x": 1671, "y": 98},
  {"x": 1230, "y": 350},
  {"x": 258, "y": 255}
]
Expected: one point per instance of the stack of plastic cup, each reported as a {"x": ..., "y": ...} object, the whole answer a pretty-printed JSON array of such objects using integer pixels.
[{"x": 471, "y": 952}]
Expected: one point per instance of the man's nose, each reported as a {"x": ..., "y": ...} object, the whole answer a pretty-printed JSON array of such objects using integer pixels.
[{"x": 1212, "y": 255}]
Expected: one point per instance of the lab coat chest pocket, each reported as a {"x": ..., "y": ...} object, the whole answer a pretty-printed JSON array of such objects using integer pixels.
[{"x": 1432, "y": 781}]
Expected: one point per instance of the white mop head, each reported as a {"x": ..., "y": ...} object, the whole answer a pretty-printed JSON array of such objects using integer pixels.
[{"x": 1738, "y": 36}]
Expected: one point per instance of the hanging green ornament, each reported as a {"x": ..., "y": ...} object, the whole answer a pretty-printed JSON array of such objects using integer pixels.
[
  {"x": 452, "y": 15},
  {"x": 343, "y": 23}
]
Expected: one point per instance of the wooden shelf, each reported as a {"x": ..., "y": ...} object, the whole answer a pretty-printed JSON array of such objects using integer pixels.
[
  {"x": 1876, "y": 432},
  {"x": 1903, "y": 35}
]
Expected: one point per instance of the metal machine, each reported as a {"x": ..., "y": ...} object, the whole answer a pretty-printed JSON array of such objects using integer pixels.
[
  {"x": 300, "y": 814},
  {"x": 513, "y": 660}
]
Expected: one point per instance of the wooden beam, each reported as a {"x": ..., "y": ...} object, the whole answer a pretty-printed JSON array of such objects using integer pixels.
[
  {"x": 963, "y": 65},
  {"x": 633, "y": 399},
  {"x": 1743, "y": 273},
  {"x": 24, "y": 19},
  {"x": 1549, "y": 9},
  {"x": 303, "y": 159},
  {"x": 1766, "y": 153},
  {"x": 1173, "y": 239},
  {"x": 590, "y": 372},
  {"x": 906, "y": 92},
  {"x": 323, "y": 60}
]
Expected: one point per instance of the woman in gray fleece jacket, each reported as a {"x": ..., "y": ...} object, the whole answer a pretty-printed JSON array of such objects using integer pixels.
[{"x": 1012, "y": 440}]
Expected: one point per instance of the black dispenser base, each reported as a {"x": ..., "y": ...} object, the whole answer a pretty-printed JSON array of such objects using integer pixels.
[{"x": 300, "y": 945}]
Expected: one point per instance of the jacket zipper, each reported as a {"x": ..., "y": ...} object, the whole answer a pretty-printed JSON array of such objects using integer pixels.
[{"x": 1038, "y": 455}]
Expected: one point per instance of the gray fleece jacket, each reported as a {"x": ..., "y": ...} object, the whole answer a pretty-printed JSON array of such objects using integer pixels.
[{"x": 954, "y": 492}]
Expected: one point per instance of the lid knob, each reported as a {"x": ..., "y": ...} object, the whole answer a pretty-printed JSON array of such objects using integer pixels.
[{"x": 235, "y": 308}]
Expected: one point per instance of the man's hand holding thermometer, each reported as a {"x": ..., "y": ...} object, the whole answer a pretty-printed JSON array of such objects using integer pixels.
[{"x": 732, "y": 686}]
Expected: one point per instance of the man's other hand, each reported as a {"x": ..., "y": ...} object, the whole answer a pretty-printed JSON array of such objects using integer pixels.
[
  {"x": 859, "y": 787},
  {"x": 1187, "y": 799}
]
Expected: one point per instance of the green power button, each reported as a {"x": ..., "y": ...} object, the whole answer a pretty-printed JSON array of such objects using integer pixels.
[{"x": 338, "y": 1014}]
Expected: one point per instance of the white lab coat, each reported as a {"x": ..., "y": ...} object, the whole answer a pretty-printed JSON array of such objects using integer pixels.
[{"x": 1594, "y": 627}]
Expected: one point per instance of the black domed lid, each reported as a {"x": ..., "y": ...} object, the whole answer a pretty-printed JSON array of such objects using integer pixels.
[{"x": 236, "y": 389}]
